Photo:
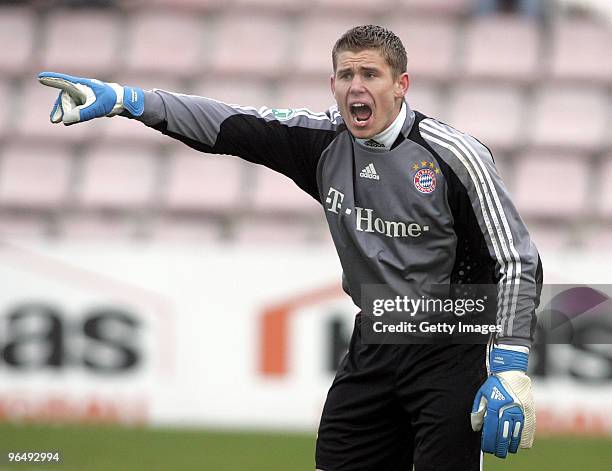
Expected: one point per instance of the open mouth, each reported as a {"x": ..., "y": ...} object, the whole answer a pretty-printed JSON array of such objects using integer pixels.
[{"x": 360, "y": 112}]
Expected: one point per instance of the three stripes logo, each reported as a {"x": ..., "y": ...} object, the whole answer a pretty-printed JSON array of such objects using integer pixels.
[
  {"x": 373, "y": 143},
  {"x": 370, "y": 172},
  {"x": 497, "y": 395},
  {"x": 462, "y": 150}
]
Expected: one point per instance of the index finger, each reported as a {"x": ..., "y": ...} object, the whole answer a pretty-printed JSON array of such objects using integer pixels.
[{"x": 64, "y": 82}]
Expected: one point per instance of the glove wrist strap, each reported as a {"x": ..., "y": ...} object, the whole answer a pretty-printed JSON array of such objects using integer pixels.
[
  {"x": 133, "y": 100},
  {"x": 506, "y": 360}
]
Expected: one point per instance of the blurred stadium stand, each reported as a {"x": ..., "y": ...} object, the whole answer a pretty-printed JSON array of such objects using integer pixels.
[
  {"x": 537, "y": 91},
  {"x": 195, "y": 184},
  {"x": 502, "y": 48}
]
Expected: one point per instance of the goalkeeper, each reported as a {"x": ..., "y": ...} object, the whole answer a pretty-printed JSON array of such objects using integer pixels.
[{"x": 409, "y": 201}]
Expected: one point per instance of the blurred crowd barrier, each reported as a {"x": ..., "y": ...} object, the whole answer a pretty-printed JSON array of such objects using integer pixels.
[
  {"x": 225, "y": 336},
  {"x": 535, "y": 88}
]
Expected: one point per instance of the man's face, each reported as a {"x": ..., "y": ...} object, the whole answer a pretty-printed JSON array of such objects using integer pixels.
[{"x": 368, "y": 96}]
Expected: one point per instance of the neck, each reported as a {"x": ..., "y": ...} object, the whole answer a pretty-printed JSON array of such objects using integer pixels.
[{"x": 387, "y": 137}]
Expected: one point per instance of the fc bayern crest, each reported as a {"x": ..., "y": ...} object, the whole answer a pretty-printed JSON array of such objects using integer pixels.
[{"x": 425, "y": 180}]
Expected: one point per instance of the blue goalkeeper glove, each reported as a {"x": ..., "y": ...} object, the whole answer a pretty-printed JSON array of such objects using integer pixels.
[
  {"x": 82, "y": 99},
  {"x": 503, "y": 408}
]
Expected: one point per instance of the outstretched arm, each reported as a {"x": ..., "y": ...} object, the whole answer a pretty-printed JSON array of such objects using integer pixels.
[{"x": 287, "y": 141}]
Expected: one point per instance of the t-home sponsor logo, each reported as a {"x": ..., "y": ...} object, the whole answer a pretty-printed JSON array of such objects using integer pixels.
[{"x": 367, "y": 221}]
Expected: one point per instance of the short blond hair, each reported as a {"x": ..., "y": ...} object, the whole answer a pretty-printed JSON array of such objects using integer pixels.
[{"x": 373, "y": 37}]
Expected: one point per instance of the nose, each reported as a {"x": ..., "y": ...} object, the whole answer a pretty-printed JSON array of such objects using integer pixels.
[{"x": 357, "y": 85}]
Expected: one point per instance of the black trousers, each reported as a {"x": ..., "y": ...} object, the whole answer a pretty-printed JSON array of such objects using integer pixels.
[{"x": 392, "y": 407}]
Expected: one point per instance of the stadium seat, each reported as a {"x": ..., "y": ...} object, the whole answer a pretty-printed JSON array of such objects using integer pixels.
[
  {"x": 33, "y": 123},
  {"x": 17, "y": 27},
  {"x": 355, "y": 6},
  {"x": 190, "y": 6},
  {"x": 424, "y": 98},
  {"x": 552, "y": 185},
  {"x": 120, "y": 129},
  {"x": 89, "y": 227},
  {"x": 431, "y": 46},
  {"x": 256, "y": 45},
  {"x": 315, "y": 38},
  {"x": 6, "y": 96},
  {"x": 549, "y": 237},
  {"x": 274, "y": 193},
  {"x": 235, "y": 91},
  {"x": 21, "y": 227},
  {"x": 605, "y": 178},
  {"x": 118, "y": 177},
  {"x": 34, "y": 176},
  {"x": 270, "y": 6},
  {"x": 202, "y": 182},
  {"x": 504, "y": 48},
  {"x": 148, "y": 81},
  {"x": 436, "y": 7},
  {"x": 314, "y": 95},
  {"x": 579, "y": 49},
  {"x": 570, "y": 117},
  {"x": 92, "y": 57},
  {"x": 492, "y": 114},
  {"x": 169, "y": 43}
]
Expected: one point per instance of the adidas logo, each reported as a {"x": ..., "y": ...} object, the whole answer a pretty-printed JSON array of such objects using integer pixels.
[
  {"x": 373, "y": 143},
  {"x": 370, "y": 172},
  {"x": 497, "y": 395}
]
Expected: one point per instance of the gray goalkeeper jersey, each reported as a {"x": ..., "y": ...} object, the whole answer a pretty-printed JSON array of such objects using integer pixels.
[{"x": 432, "y": 209}]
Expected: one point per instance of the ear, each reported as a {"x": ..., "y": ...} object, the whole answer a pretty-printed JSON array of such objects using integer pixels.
[
  {"x": 401, "y": 85},
  {"x": 332, "y": 82}
]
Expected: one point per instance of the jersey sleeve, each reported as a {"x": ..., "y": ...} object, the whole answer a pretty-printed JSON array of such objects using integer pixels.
[
  {"x": 289, "y": 141},
  {"x": 516, "y": 262}
]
